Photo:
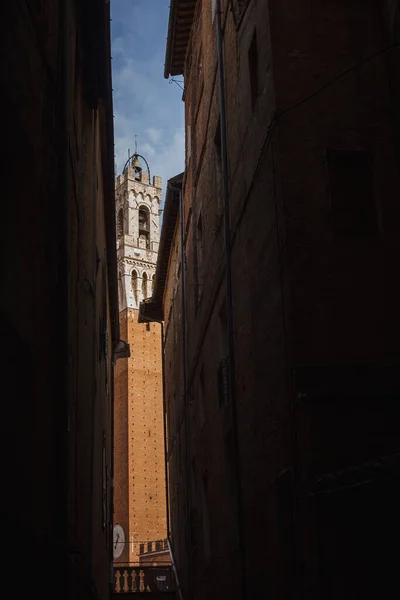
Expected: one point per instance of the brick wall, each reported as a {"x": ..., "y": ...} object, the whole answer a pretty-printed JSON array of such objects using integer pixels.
[
  {"x": 56, "y": 308},
  {"x": 140, "y": 497},
  {"x": 302, "y": 297}
]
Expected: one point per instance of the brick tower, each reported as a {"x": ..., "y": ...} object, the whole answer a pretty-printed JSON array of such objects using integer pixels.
[{"x": 139, "y": 462}]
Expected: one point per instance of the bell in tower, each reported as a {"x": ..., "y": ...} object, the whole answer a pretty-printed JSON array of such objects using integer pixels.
[{"x": 136, "y": 165}]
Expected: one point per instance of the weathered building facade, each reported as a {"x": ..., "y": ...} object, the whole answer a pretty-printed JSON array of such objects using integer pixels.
[
  {"x": 59, "y": 298},
  {"x": 139, "y": 479},
  {"x": 275, "y": 281}
]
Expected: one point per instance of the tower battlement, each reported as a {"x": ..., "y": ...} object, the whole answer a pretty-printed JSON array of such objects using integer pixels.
[{"x": 143, "y": 177}]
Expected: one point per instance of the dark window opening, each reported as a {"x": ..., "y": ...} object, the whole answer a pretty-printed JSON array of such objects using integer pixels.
[
  {"x": 144, "y": 228},
  {"x": 253, "y": 70},
  {"x": 120, "y": 287},
  {"x": 144, "y": 285},
  {"x": 352, "y": 193},
  {"x": 148, "y": 326},
  {"x": 143, "y": 219},
  {"x": 141, "y": 549},
  {"x": 120, "y": 223},
  {"x": 135, "y": 286}
]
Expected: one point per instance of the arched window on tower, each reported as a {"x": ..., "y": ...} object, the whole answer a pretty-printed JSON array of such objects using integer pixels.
[
  {"x": 120, "y": 289},
  {"x": 144, "y": 285},
  {"x": 135, "y": 287},
  {"x": 120, "y": 223},
  {"x": 153, "y": 280},
  {"x": 144, "y": 227}
]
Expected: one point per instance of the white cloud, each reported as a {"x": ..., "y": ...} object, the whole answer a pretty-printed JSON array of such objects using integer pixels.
[
  {"x": 144, "y": 103},
  {"x": 170, "y": 160},
  {"x": 154, "y": 134},
  {"x": 167, "y": 161},
  {"x": 117, "y": 46}
]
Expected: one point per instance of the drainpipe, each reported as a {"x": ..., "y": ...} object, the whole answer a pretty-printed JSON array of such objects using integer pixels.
[{"x": 229, "y": 302}]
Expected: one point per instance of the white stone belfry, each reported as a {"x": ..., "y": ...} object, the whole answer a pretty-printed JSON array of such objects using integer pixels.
[{"x": 137, "y": 205}]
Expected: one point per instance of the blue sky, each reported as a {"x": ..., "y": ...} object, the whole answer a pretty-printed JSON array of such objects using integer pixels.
[{"x": 145, "y": 103}]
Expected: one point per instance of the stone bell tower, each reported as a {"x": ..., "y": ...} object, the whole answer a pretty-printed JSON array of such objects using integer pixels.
[
  {"x": 138, "y": 234},
  {"x": 139, "y": 463}
]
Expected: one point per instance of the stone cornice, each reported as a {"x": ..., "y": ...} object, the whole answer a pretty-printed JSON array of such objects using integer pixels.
[{"x": 138, "y": 263}]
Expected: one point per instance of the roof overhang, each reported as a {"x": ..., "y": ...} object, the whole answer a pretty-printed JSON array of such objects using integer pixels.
[{"x": 180, "y": 22}]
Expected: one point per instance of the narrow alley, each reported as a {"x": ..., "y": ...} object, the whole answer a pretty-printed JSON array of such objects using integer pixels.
[{"x": 199, "y": 312}]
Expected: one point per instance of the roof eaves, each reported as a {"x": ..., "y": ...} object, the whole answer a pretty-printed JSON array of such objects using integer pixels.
[
  {"x": 170, "y": 35},
  {"x": 179, "y": 27}
]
